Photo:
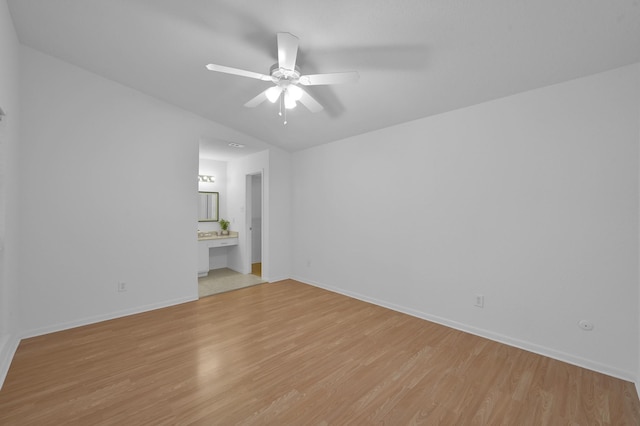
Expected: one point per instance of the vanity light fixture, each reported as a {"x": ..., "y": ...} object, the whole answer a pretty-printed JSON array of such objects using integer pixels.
[
  {"x": 2, "y": 114},
  {"x": 205, "y": 178}
]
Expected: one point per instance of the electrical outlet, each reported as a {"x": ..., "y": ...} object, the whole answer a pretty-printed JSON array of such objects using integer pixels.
[
  {"x": 479, "y": 301},
  {"x": 122, "y": 286}
]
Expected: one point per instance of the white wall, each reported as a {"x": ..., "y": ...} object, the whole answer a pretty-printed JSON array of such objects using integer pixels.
[
  {"x": 108, "y": 194},
  {"x": 278, "y": 223},
  {"x": 530, "y": 200},
  {"x": 638, "y": 364},
  {"x": 9, "y": 102},
  {"x": 275, "y": 166},
  {"x": 256, "y": 218}
]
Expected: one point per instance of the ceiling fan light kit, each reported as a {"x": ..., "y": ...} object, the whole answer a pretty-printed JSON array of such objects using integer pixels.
[
  {"x": 287, "y": 77},
  {"x": 273, "y": 93}
]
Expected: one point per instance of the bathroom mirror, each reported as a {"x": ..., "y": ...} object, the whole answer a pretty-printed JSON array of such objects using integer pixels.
[{"x": 208, "y": 207}]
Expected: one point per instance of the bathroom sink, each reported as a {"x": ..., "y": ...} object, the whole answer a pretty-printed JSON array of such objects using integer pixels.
[{"x": 207, "y": 234}]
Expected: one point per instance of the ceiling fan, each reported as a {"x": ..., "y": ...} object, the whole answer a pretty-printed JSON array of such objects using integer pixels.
[{"x": 287, "y": 78}]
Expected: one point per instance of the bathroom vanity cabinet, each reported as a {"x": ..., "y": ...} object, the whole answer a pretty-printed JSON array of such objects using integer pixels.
[{"x": 217, "y": 242}]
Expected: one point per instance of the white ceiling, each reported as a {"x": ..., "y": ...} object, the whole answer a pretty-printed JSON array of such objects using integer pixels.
[{"x": 416, "y": 58}]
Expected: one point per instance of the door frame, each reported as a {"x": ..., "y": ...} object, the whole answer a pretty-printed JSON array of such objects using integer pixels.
[{"x": 249, "y": 219}]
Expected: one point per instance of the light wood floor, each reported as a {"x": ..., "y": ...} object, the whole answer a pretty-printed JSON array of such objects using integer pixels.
[
  {"x": 256, "y": 269},
  {"x": 287, "y": 353}
]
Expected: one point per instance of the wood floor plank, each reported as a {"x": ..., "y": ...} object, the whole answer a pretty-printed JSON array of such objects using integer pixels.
[{"x": 289, "y": 353}]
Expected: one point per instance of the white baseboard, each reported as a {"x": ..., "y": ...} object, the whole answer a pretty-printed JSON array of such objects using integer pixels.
[
  {"x": 8, "y": 345},
  {"x": 104, "y": 317},
  {"x": 277, "y": 278},
  {"x": 521, "y": 344}
]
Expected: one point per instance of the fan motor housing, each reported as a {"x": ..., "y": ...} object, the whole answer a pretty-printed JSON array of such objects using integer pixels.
[{"x": 283, "y": 76}]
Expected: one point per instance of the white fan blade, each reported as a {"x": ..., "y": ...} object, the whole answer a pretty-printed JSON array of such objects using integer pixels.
[
  {"x": 311, "y": 104},
  {"x": 257, "y": 100},
  {"x": 287, "y": 51},
  {"x": 331, "y": 78},
  {"x": 237, "y": 71}
]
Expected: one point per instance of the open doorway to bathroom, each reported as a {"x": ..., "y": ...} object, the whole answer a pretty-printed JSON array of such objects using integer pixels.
[
  {"x": 222, "y": 256},
  {"x": 254, "y": 219}
]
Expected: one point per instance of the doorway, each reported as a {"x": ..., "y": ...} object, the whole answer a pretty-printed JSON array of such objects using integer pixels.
[{"x": 254, "y": 219}]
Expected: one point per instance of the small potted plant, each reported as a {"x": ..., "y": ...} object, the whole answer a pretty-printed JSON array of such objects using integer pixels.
[{"x": 224, "y": 226}]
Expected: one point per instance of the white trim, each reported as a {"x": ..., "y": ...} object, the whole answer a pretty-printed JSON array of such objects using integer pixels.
[
  {"x": 104, "y": 317},
  {"x": 248, "y": 200},
  {"x": 528, "y": 346},
  {"x": 8, "y": 347}
]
